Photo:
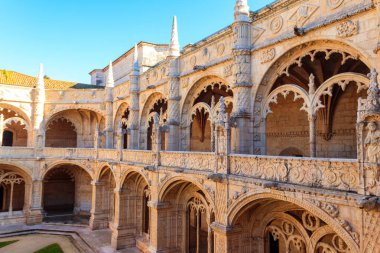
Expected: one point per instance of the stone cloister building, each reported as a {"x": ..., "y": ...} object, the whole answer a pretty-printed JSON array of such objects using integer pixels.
[{"x": 263, "y": 137}]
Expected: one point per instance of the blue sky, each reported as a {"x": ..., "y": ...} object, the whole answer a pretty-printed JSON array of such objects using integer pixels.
[{"x": 72, "y": 37}]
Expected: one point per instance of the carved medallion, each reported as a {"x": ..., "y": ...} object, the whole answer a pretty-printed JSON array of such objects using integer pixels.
[
  {"x": 220, "y": 49},
  {"x": 347, "y": 28},
  {"x": 193, "y": 61},
  {"x": 276, "y": 24}
]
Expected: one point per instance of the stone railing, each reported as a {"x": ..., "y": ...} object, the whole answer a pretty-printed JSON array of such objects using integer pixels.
[
  {"x": 337, "y": 174},
  {"x": 139, "y": 156},
  {"x": 17, "y": 152},
  {"x": 189, "y": 160},
  {"x": 342, "y": 174}
]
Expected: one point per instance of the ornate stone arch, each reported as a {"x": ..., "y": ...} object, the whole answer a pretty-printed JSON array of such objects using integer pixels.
[
  {"x": 104, "y": 166},
  {"x": 119, "y": 113},
  {"x": 144, "y": 118},
  {"x": 299, "y": 93},
  {"x": 17, "y": 120},
  {"x": 137, "y": 171},
  {"x": 239, "y": 207},
  {"x": 342, "y": 80},
  {"x": 196, "y": 89},
  {"x": 60, "y": 109},
  {"x": 55, "y": 164},
  {"x": 20, "y": 169},
  {"x": 18, "y": 110},
  {"x": 294, "y": 56},
  {"x": 171, "y": 182}
]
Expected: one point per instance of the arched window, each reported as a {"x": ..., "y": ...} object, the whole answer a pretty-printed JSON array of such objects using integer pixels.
[
  {"x": 274, "y": 245},
  {"x": 7, "y": 138},
  {"x": 146, "y": 211},
  {"x": 2, "y": 198}
]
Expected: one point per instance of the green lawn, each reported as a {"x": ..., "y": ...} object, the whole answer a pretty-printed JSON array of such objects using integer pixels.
[
  {"x": 3, "y": 244},
  {"x": 52, "y": 248}
]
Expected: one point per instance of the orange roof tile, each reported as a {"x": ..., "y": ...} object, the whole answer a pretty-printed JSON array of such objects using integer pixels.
[{"x": 14, "y": 78}]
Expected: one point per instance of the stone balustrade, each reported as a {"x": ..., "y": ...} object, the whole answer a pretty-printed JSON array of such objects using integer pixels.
[
  {"x": 341, "y": 174},
  {"x": 335, "y": 174},
  {"x": 189, "y": 160}
]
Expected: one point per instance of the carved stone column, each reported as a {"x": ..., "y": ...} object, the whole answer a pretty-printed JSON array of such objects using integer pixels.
[
  {"x": 368, "y": 138},
  {"x": 38, "y": 111},
  {"x": 109, "y": 117},
  {"x": 172, "y": 134},
  {"x": 156, "y": 238},
  {"x": 242, "y": 79},
  {"x": 119, "y": 231},
  {"x": 312, "y": 135},
  {"x": 133, "y": 140},
  {"x": 98, "y": 219},
  {"x": 35, "y": 215},
  {"x": 156, "y": 138},
  {"x": 221, "y": 237},
  {"x": 222, "y": 139}
]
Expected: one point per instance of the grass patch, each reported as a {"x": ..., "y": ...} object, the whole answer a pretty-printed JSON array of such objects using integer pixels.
[
  {"x": 52, "y": 248},
  {"x": 3, "y": 244}
]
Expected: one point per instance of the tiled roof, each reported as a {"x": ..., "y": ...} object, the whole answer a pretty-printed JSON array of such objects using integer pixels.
[{"x": 14, "y": 78}]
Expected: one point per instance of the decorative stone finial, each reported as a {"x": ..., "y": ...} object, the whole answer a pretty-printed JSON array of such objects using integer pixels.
[
  {"x": 110, "y": 81},
  {"x": 311, "y": 84},
  {"x": 241, "y": 11},
  {"x": 136, "y": 66},
  {"x": 40, "y": 78},
  {"x": 174, "y": 43}
]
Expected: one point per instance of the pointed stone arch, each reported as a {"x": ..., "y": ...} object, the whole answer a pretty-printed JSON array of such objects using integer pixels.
[{"x": 328, "y": 216}]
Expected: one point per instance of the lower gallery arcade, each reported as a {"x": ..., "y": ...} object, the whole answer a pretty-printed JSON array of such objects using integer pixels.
[{"x": 183, "y": 212}]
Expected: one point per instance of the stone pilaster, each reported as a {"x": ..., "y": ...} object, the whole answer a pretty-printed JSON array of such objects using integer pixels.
[
  {"x": 98, "y": 219},
  {"x": 134, "y": 89},
  {"x": 119, "y": 232},
  {"x": 156, "y": 240},
  {"x": 35, "y": 212},
  {"x": 38, "y": 111},
  {"x": 109, "y": 117},
  {"x": 242, "y": 78},
  {"x": 173, "y": 108}
]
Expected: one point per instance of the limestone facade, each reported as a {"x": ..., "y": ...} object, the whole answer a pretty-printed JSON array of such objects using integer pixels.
[{"x": 263, "y": 137}]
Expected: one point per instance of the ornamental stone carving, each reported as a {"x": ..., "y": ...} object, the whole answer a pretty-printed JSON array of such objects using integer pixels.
[
  {"x": 333, "y": 4},
  {"x": 267, "y": 55},
  {"x": 347, "y": 28},
  {"x": 372, "y": 143},
  {"x": 276, "y": 24}
]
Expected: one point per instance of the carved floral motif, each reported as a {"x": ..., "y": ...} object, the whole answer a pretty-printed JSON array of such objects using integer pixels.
[
  {"x": 347, "y": 28},
  {"x": 267, "y": 55}
]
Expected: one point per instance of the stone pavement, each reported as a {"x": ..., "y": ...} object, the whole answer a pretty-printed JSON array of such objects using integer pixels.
[{"x": 72, "y": 238}]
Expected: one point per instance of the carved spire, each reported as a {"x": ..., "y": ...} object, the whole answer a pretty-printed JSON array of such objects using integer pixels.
[
  {"x": 241, "y": 11},
  {"x": 110, "y": 81},
  {"x": 136, "y": 66},
  {"x": 40, "y": 78},
  {"x": 311, "y": 84},
  {"x": 174, "y": 43}
]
